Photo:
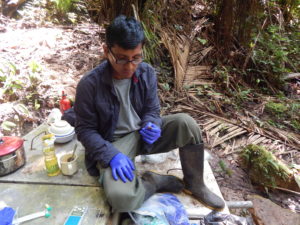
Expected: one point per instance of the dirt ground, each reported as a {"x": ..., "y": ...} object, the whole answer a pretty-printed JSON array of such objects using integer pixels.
[{"x": 65, "y": 54}]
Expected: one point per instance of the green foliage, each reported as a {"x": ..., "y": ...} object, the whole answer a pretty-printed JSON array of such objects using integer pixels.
[
  {"x": 35, "y": 67},
  {"x": 258, "y": 38},
  {"x": 225, "y": 168},
  {"x": 22, "y": 109},
  {"x": 9, "y": 82},
  {"x": 150, "y": 50},
  {"x": 222, "y": 74},
  {"x": 277, "y": 109},
  {"x": 7, "y": 125},
  {"x": 272, "y": 123},
  {"x": 277, "y": 53},
  {"x": 243, "y": 94},
  {"x": 67, "y": 11},
  {"x": 295, "y": 108},
  {"x": 37, "y": 105},
  {"x": 166, "y": 87},
  {"x": 34, "y": 76},
  {"x": 296, "y": 124},
  {"x": 263, "y": 166},
  {"x": 63, "y": 6},
  {"x": 202, "y": 41},
  {"x": 284, "y": 114}
]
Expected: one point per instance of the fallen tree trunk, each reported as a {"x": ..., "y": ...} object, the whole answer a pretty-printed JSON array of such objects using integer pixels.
[{"x": 266, "y": 170}]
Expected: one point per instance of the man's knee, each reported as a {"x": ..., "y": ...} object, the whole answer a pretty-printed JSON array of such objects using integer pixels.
[
  {"x": 186, "y": 121},
  {"x": 188, "y": 127},
  {"x": 121, "y": 200}
]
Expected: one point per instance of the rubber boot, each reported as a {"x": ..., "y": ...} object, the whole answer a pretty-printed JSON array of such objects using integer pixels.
[
  {"x": 154, "y": 182},
  {"x": 192, "y": 162}
]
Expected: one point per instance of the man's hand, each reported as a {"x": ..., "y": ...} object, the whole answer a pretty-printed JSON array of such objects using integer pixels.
[
  {"x": 150, "y": 133},
  {"x": 6, "y": 216},
  {"x": 121, "y": 166}
]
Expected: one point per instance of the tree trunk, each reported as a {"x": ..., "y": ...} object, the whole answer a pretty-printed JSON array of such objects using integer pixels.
[
  {"x": 245, "y": 19},
  {"x": 224, "y": 24}
]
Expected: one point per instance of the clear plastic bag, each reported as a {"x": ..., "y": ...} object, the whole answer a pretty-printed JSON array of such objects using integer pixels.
[
  {"x": 161, "y": 209},
  {"x": 217, "y": 218}
]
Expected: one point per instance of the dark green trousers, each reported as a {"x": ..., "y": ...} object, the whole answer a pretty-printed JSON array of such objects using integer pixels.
[{"x": 178, "y": 130}]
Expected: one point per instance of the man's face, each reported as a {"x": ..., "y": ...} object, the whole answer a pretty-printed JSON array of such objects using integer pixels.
[{"x": 123, "y": 61}]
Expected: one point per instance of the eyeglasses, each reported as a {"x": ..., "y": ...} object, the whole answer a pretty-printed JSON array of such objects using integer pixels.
[{"x": 125, "y": 61}]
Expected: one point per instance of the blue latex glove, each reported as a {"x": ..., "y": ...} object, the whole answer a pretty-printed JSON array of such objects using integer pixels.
[
  {"x": 150, "y": 133},
  {"x": 121, "y": 166},
  {"x": 6, "y": 216}
]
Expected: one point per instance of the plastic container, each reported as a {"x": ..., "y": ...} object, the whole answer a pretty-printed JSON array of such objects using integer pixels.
[
  {"x": 64, "y": 138},
  {"x": 50, "y": 158},
  {"x": 64, "y": 103},
  {"x": 61, "y": 127}
]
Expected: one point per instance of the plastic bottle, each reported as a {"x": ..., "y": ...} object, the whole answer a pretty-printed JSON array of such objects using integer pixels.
[
  {"x": 64, "y": 103},
  {"x": 51, "y": 163}
]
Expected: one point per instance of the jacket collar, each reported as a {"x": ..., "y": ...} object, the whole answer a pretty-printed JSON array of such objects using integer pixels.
[{"x": 107, "y": 72}]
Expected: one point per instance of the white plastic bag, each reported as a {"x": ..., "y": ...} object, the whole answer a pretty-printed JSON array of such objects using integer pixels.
[{"x": 161, "y": 209}]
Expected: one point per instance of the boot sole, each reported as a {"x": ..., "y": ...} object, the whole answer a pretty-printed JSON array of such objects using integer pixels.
[{"x": 203, "y": 203}]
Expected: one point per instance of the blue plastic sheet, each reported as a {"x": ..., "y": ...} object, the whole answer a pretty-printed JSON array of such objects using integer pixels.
[{"x": 161, "y": 209}]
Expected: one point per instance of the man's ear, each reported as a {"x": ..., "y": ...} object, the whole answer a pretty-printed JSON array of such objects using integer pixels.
[{"x": 105, "y": 50}]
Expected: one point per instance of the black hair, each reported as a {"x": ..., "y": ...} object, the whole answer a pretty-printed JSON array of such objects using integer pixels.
[{"x": 126, "y": 32}]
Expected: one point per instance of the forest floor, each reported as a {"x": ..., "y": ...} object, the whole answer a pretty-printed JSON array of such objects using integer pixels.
[{"x": 45, "y": 59}]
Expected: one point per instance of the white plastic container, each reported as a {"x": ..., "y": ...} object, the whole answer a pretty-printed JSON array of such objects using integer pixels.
[
  {"x": 61, "y": 127},
  {"x": 64, "y": 138},
  {"x": 62, "y": 131}
]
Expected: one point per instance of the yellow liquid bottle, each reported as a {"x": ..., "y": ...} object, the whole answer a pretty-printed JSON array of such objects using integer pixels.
[{"x": 51, "y": 163}]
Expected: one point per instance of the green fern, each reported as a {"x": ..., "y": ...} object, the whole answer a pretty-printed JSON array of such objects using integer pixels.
[{"x": 64, "y": 6}]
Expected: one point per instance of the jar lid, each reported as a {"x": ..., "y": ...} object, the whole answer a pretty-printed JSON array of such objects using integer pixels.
[
  {"x": 10, "y": 144},
  {"x": 61, "y": 123},
  {"x": 60, "y": 127}
]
